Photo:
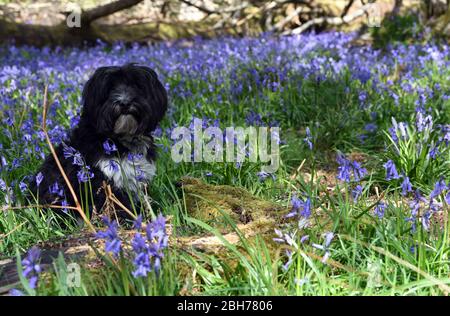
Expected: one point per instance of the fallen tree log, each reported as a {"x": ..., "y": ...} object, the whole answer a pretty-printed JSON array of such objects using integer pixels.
[
  {"x": 253, "y": 216},
  {"x": 86, "y": 31}
]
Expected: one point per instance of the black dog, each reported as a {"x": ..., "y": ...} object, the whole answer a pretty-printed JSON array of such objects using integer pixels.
[{"x": 112, "y": 142}]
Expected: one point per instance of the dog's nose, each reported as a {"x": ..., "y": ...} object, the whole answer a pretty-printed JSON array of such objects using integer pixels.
[{"x": 124, "y": 106}]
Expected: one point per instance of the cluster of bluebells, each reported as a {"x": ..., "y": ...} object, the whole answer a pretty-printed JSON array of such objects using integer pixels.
[
  {"x": 300, "y": 208},
  {"x": 148, "y": 244},
  {"x": 149, "y": 250},
  {"x": 429, "y": 139},
  {"x": 419, "y": 204},
  {"x": 349, "y": 170}
]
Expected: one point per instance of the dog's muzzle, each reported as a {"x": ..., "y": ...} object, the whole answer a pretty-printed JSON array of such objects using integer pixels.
[{"x": 126, "y": 124}]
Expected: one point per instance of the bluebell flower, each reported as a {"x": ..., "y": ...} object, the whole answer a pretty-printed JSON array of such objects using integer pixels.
[
  {"x": 328, "y": 238},
  {"x": 348, "y": 168},
  {"x": 356, "y": 192},
  {"x": 142, "y": 259},
  {"x": 16, "y": 292},
  {"x": 31, "y": 267},
  {"x": 64, "y": 204},
  {"x": 288, "y": 263},
  {"x": 447, "y": 198},
  {"x": 344, "y": 171},
  {"x": 70, "y": 152},
  {"x": 2, "y": 185},
  {"x": 434, "y": 151},
  {"x": 149, "y": 251},
  {"x": 300, "y": 208},
  {"x": 109, "y": 147},
  {"x": 23, "y": 186},
  {"x": 134, "y": 157},
  {"x": 262, "y": 175},
  {"x": 56, "y": 189},
  {"x": 371, "y": 127},
  {"x": 308, "y": 139},
  {"x": 439, "y": 187},
  {"x": 358, "y": 171},
  {"x": 325, "y": 247},
  {"x": 304, "y": 239},
  {"x": 113, "y": 165},
  {"x": 39, "y": 178},
  {"x": 391, "y": 171},
  {"x": 113, "y": 244},
  {"x": 85, "y": 174},
  {"x": 406, "y": 186},
  {"x": 380, "y": 210},
  {"x": 446, "y": 133},
  {"x": 137, "y": 224},
  {"x": 423, "y": 123}
]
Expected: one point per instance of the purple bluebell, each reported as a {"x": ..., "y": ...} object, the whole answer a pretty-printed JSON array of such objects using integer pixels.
[
  {"x": 109, "y": 147},
  {"x": 113, "y": 166},
  {"x": 447, "y": 198},
  {"x": 391, "y": 170},
  {"x": 262, "y": 175},
  {"x": 406, "y": 186},
  {"x": 137, "y": 224},
  {"x": 23, "y": 186},
  {"x": 300, "y": 208},
  {"x": 308, "y": 139},
  {"x": 142, "y": 259},
  {"x": 31, "y": 267},
  {"x": 39, "y": 178},
  {"x": 371, "y": 127},
  {"x": 85, "y": 174},
  {"x": 134, "y": 157},
  {"x": 16, "y": 292},
  {"x": 149, "y": 251},
  {"x": 380, "y": 210},
  {"x": 56, "y": 189},
  {"x": 70, "y": 152},
  {"x": 439, "y": 187},
  {"x": 348, "y": 168},
  {"x": 434, "y": 152},
  {"x": 113, "y": 244},
  {"x": 356, "y": 192}
]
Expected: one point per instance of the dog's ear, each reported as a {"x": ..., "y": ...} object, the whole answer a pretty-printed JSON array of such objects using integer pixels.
[
  {"x": 157, "y": 94},
  {"x": 96, "y": 89},
  {"x": 95, "y": 92}
]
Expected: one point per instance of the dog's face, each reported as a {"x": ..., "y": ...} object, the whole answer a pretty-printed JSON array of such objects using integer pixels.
[{"x": 124, "y": 101}]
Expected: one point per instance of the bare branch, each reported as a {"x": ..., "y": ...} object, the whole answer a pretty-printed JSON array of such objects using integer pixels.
[
  {"x": 335, "y": 20},
  {"x": 287, "y": 19},
  {"x": 107, "y": 9},
  {"x": 199, "y": 7},
  {"x": 347, "y": 8}
]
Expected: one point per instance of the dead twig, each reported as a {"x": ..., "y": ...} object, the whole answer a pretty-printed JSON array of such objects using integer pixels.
[{"x": 58, "y": 163}]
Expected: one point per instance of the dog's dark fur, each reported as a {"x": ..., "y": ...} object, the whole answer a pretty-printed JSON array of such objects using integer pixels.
[{"x": 122, "y": 105}]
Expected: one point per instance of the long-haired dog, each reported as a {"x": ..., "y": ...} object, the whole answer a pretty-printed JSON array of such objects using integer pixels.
[{"x": 112, "y": 144}]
